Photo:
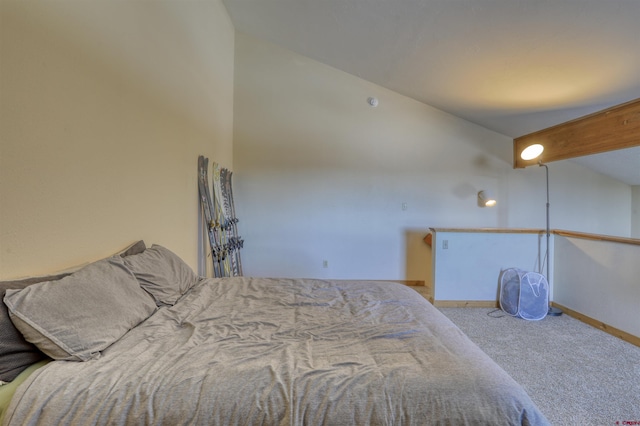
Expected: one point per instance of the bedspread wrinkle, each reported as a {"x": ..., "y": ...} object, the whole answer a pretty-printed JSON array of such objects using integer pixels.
[{"x": 282, "y": 352}]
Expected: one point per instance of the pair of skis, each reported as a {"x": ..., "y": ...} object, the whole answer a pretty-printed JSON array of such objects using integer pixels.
[
  {"x": 225, "y": 214},
  {"x": 219, "y": 220}
]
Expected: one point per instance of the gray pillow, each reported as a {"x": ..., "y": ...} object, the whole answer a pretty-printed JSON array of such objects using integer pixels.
[
  {"x": 162, "y": 273},
  {"x": 16, "y": 353},
  {"x": 135, "y": 248},
  {"x": 80, "y": 315}
]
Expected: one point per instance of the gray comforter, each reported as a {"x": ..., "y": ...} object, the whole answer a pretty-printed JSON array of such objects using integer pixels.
[{"x": 282, "y": 352}]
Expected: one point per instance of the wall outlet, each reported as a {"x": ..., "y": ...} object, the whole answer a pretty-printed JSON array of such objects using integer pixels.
[
  {"x": 445, "y": 244},
  {"x": 325, "y": 263}
]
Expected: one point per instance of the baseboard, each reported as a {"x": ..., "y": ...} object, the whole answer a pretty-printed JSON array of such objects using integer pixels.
[
  {"x": 466, "y": 304},
  {"x": 627, "y": 337},
  {"x": 411, "y": 283}
]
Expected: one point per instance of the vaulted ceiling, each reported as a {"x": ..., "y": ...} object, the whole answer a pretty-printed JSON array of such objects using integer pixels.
[{"x": 513, "y": 66}]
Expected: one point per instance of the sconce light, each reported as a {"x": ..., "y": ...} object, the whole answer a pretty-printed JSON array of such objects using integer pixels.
[{"x": 486, "y": 199}]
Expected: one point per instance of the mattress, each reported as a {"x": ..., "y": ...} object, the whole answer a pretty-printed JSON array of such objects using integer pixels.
[{"x": 282, "y": 352}]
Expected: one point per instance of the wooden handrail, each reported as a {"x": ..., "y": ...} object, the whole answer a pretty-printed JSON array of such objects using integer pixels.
[
  {"x": 573, "y": 234},
  {"x": 598, "y": 237},
  {"x": 490, "y": 230}
]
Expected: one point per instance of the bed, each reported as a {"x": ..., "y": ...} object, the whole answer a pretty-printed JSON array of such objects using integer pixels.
[{"x": 186, "y": 350}]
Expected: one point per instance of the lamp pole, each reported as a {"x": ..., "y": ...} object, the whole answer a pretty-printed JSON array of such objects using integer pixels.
[{"x": 552, "y": 311}]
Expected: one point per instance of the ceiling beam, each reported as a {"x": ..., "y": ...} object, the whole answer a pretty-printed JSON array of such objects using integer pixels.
[{"x": 614, "y": 128}]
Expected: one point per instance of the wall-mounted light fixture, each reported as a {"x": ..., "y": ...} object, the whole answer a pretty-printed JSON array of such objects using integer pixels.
[{"x": 486, "y": 199}]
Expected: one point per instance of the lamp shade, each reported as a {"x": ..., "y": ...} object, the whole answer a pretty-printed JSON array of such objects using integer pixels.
[
  {"x": 486, "y": 199},
  {"x": 532, "y": 151}
]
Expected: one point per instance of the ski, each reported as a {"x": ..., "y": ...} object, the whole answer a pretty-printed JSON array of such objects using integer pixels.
[
  {"x": 228, "y": 208},
  {"x": 207, "y": 208},
  {"x": 219, "y": 220},
  {"x": 225, "y": 216}
]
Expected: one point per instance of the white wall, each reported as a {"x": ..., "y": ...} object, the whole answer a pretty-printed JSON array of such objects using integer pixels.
[
  {"x": 320, "y": 175},
  {"x": 468, "y": 269},
  {"x": 635, "y": 211},
  {"x": 105, "y": 107},
  {"x": 600, "y": 280},
  {"x": 586, "y": 201},
  {"x": 323, "y": 176}
]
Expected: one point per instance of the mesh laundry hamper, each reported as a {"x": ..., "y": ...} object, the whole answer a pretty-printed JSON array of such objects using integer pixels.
[{"x": 524, "y": 294}]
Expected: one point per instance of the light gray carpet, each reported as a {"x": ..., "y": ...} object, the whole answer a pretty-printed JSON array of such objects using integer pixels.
[{"x": 575, "y": 373}]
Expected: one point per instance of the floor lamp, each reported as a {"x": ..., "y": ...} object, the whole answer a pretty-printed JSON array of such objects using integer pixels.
[{"x": 529, "y": 153}]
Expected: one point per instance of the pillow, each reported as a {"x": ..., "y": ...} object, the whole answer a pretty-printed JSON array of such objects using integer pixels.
[
  {"x": 162, "y": 273},
  {"x": 135, "y": 248},
  {"x": 16, "y": 354},
  {"x": 80, "y": 315}
]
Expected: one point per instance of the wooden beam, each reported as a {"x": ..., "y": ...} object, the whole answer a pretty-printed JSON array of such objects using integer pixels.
[{"x": 614, "y": 128}]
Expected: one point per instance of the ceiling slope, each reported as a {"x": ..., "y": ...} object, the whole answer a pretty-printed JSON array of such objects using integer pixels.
[{"x": 514, "y": 67}]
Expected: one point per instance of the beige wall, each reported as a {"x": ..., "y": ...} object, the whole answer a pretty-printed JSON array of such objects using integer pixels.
[{"x": 104, "y": 109}]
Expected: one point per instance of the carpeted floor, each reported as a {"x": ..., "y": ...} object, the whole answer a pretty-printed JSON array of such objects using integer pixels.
[{"x": 575, "y": 373}]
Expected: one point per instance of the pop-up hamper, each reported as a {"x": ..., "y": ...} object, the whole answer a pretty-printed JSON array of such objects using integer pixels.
[{"x": 524, "y": 294}]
